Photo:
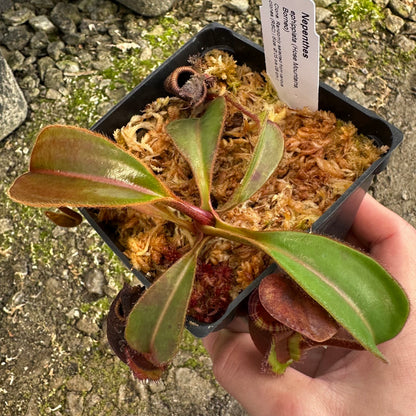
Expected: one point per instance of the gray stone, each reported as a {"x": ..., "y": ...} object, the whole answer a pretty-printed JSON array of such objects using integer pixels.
[
  {"x": 17, "y": 17},
  {"x": 75, "y": 403},
  {"x": 322, "y": 14},
  {"x": 357, "y": 95},
  {"x": 79, "y": 384},
  {"x": 94, "y": 282},
  {"x": 15, "y": 60},
  {"x": 55, "y": 49},
  {"x": 148, "y": 7},
  {"x": 87, "y": 5},
  {"x": 52, "y": 94},
  {"x": 404, "y": 44},
  {"x": 30, "y": 85},
  {"x": 44, "y": 64},
  {"x": 74, "y": 39},
  {"x": 66, "y": 16},
  {"x": 393, "y": 23},
  {"x": 410, "y": 29},
  {"x": 324, "y": 3},
  {"x": 53, "y": 78},
  {"x": 39, "y": 41},
  {"x": 13, "y": 106},
  {"x": 401, "y": 8},
  {"x": 240, "y": 6},
  {"x": 87, "y": 326},
  {"x": 32, "y": 408},
  {"x": 42, "y": 23},
  {"x": 67, "y": 65},
  {"x": 53, "y": 287},
  {"x": 17, "y": 38},
  {"x": 5, "y": 225}
]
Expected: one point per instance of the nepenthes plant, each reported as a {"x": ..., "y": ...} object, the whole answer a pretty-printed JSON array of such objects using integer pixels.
[{"x": 324, "y": 293}]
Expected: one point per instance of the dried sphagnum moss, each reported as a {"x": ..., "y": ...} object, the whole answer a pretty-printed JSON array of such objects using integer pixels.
[{"x": 323, "y": 157}]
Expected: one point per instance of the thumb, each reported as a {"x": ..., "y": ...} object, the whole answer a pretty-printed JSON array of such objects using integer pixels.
[{"x": 237, "y": 367}]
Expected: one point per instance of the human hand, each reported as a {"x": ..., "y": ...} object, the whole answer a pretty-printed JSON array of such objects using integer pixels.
[{"x": 334, "y": 381}]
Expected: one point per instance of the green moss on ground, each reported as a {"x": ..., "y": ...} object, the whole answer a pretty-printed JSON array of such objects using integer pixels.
[{"x": 349, "y": 11}]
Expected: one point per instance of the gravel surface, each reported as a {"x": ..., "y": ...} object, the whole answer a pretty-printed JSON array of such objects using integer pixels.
[{"x": 74, "y": 61}]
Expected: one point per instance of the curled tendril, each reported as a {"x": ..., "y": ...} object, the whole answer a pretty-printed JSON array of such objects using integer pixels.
[{"x": 189, "y": 85}]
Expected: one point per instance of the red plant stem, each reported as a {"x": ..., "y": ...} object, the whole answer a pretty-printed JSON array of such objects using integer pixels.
[
  {"x": 201, "y": 216},
  {"x": 242, "y": 109},
  {"x": 163, "y": 212}
]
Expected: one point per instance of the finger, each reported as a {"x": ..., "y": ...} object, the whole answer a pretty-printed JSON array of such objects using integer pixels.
[
  {"x": 374, "y": 223},
  {"x": 238, "y": 324},
  {"x": 237, "y": 367},
  {"x": 388, "y": 237}
]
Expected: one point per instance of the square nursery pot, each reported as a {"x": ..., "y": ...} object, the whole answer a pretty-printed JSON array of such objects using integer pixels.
[{"x": 335, "y": 222}]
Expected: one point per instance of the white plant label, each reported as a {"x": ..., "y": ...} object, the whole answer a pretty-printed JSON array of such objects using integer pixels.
[{"x": 291, "y": 47}]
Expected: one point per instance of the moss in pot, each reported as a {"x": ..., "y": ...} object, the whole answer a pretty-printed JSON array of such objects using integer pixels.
[{"x": 215, "y": 116}]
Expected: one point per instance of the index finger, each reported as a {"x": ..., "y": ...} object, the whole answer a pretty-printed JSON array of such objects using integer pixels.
[{"x": 388, "y": 238}]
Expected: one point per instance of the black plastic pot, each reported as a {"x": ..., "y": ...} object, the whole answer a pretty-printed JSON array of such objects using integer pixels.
[{"x": 336, "y": 221}]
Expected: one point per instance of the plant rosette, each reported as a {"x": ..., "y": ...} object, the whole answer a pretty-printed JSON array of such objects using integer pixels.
[{"x": 313, "y": 299}]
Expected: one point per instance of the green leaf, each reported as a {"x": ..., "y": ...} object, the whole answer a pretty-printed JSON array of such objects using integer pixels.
[
  {"x": 197, "y": 140},
  {"x": 155, "y": 324},
  {"x": 355, "y": 290},
  {"x": 77, "y": 167},
  {"x": 266, "y": 157}
]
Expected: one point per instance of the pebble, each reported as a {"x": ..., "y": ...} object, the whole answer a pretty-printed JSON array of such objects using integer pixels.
[
  {"x": 53, "y": 287},
  {"x": 39, "y": 42},
  {"x": 42, "y": 23},
  {"x": 87, "y": 326},
  {"x": 17, "y": 38},
  {"x": 15, "y": 60},
  {"x": 401, "y": 8},
  {"x": 68, "y": 66},
  {"x": 78, "y": 384},
  {"x": 324, "y": 3},
  {"x": 65, "y": 16},
  {"x": 150, "y": 8},
  {"x": 405, "y": 44},
  {"x": 55, "y": 49},
  {"x": 239, "y": 6},
  {"x": 53, "y": 78},
  {"x": 18, "y": 17},
  {"x": 43, "y": 64},
  {"x": 393, "y": 23},
  {"x": 5, "y": 225},
  {"x": 410, "y": 29},
  {"x": 357, "y": 95},
  {"x": 52, "y": 94},
  {"x": 94, "y": 282},
  {"x": 75, "y": 403},
  {"x": 323, "y": 15}
]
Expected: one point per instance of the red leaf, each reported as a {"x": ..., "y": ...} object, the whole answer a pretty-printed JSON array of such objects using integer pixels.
[{"x": 289, "y": 304}]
